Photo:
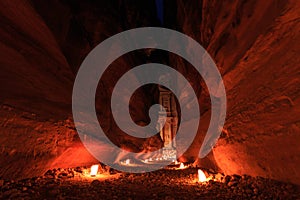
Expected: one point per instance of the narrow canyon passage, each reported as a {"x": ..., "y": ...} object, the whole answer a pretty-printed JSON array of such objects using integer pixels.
[{"x": 255, "y": 47}]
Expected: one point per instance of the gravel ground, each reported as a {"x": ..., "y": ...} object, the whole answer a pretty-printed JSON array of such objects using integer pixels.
[{"x": 163, "y": 184}]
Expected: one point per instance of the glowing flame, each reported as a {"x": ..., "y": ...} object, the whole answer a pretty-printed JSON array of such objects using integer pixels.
[
  {"x": 181, "y": 166},
  {"x": 201, "y": 176},
  {"x": 127, "y": 162},
  {"x": 94, "y": 170}
]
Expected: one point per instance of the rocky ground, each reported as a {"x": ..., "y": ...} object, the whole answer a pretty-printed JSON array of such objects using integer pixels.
[{"x": 163, "y": 184}]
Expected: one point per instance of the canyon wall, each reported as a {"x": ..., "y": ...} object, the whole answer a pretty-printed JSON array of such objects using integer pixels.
[
  {"x": 42, "y": 47},
  {"x": 255, "y": 46}
]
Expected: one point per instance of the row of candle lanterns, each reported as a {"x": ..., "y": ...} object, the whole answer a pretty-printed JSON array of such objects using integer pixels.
[{"x": 201, "y": 175}]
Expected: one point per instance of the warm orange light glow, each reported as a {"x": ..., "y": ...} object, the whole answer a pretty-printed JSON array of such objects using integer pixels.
[
  {"x": 94, "y": 170},
  {"x": 201, "y": 176},
  {"x": 127, "y": 162},
  {"x": 181, "y": 166}
]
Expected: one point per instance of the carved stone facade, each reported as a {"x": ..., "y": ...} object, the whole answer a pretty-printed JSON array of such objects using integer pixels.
[{"x": 168, "y": 131}]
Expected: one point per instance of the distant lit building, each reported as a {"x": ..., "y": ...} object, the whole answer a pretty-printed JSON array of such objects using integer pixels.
[{"x": 168, "y": 131}]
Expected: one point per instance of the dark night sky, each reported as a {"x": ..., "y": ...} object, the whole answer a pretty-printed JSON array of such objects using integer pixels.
[{"x": 160, "y": 10}]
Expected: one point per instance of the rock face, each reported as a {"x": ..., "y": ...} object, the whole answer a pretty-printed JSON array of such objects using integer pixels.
[
  {"x": 36, "y": 84},
  {"x": 254, "y": 44},
  {"x": 42, "y": 48}
]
